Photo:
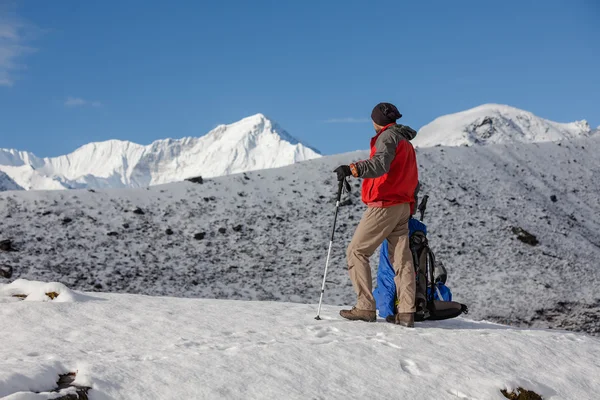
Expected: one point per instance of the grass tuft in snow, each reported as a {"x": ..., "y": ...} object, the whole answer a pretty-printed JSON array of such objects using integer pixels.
[{"x": 521, "y": 394}]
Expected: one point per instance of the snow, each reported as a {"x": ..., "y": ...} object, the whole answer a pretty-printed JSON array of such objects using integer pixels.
[
  {"x": 252, "y": 143},
  {"x": 282, "y": 219},
  {"x": 138, "y": 347},
  {"x": 496, "y": 123},
  {"x": 37, "y": 291}
]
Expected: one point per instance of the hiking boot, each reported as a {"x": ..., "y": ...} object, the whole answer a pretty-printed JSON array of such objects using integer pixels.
[
  {"x": 405, "y": 319},
  {"x": 359, "y": 315}
]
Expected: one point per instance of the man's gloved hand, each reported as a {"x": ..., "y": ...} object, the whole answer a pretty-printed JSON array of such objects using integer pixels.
[{"x": 342, "y": 171}]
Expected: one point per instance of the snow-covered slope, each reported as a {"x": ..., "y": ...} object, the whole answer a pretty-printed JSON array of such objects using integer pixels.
[
  {"x": 264, "y": 235},
  {"x": 6, "y": 183},
  {"x": 495, "y": 123},
  {"x": 137, "y": 347},
  {"x": 252, "y": 143}
]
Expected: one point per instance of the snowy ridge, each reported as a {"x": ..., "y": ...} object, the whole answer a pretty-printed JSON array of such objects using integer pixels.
[
  {"x": 6, "y": 183},
  {"x": 264, "y": 235},
  {"x": 252, "y": 143},
  {"x": 496, "y": 123},
  {"x": 138, "y": 347}
]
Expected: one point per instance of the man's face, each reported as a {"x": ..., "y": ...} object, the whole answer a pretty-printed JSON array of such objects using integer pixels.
[{"x": 377, "y": 127}]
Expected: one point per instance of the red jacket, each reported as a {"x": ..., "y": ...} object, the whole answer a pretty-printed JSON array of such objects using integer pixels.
[{"x": 390, "y": 175}]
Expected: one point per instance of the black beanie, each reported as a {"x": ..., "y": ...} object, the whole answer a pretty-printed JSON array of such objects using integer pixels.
[{"x": 385, "y": 113}]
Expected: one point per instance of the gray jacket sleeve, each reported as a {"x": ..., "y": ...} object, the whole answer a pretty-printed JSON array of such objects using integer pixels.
[{"x": 385, "y": 151}]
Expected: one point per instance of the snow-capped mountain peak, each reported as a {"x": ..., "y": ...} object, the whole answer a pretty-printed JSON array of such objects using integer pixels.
[
  {"x": 496, "y": 123},
  {"x": 252, "y": 143}
]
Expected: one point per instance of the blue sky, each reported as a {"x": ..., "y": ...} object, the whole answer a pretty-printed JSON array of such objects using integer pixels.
[{"x": 72, "y": 72}]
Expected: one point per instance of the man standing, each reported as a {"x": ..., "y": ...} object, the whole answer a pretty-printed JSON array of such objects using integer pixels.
[{"x": 389, "y": 186}]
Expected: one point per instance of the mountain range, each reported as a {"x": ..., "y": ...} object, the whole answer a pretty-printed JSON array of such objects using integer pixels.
[
  {"x": 250, "y": 144},
  {"x": 253, "y": 143}
]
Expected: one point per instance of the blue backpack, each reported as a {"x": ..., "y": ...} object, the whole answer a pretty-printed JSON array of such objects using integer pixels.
[{"x": 433, "y": 297}]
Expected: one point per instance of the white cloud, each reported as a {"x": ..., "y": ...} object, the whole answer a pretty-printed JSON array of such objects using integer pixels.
[
  {"x": 79, "y": 102},
  {"x": 13, "y": 35},
  {"x": 347, "y": 120}
]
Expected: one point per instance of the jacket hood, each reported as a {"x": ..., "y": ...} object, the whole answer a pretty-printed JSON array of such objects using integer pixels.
[{"x": 406, "y": 131}]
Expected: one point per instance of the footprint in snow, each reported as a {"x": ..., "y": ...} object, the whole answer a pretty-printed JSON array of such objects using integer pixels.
[
  {"x": 322, "y": 331},
  {"x": 385, "y": 343},
  {"x": 410, "y": 367},
  {"x": 460, "y": 395}
]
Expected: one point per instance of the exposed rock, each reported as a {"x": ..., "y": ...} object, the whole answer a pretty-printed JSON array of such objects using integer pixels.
[
  {"x": 222, "y": 230},
  {"x": 196, "y": 179},
  {"x": 7, "y": 245},
  {"x": 563, "y": 314},
  {"x": 525, "y": 236},
  {"x": 199, "y": 236},
  {"x": 169, "y": 231},
  {"x": 6, "y": 271},
  {"x": 113, "y": 233},
  {"x": 138, "y": 211},
  {"x": 237, "y": 228},
  {"x": 66, "y": 381},
  {"x": 521, "y": 394},
  {"x": 67, "y": 220},
  {"x": 553, "y": 198},
  {"x": 347, "y": 202}
]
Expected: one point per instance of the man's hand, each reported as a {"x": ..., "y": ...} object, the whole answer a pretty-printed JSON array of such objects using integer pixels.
[{"x": 342, "y": 171}]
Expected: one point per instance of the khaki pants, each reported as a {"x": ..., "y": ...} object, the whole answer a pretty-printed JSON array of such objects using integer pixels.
[{"x": 376, "y": 225}]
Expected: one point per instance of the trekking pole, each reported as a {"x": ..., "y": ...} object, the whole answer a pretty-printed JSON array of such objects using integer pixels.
[{"x": 341, "y": 184}]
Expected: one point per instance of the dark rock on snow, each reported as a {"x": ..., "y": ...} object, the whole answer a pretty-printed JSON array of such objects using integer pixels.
[
  {"x": 7, "y": 245},
  {"x": 6, "y": 271},
  {"x": 525, "y": 236},
  {"x": 196, "y": 179}
]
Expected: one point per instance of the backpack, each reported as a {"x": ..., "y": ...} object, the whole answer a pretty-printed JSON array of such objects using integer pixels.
[{"x": 433, "y": 297}]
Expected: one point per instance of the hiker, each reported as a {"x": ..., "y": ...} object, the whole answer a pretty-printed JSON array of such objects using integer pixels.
[{"x": 390, "y": 180}]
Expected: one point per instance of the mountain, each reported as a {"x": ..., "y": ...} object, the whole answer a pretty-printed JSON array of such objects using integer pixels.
[
  {"x": 123, "y": 346},
  {"x": 6, "y": 183},
  {"x": 495, "y": 123},
  {"x": 264, "y": 235},
  {"x": 250, "y": 144}
]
